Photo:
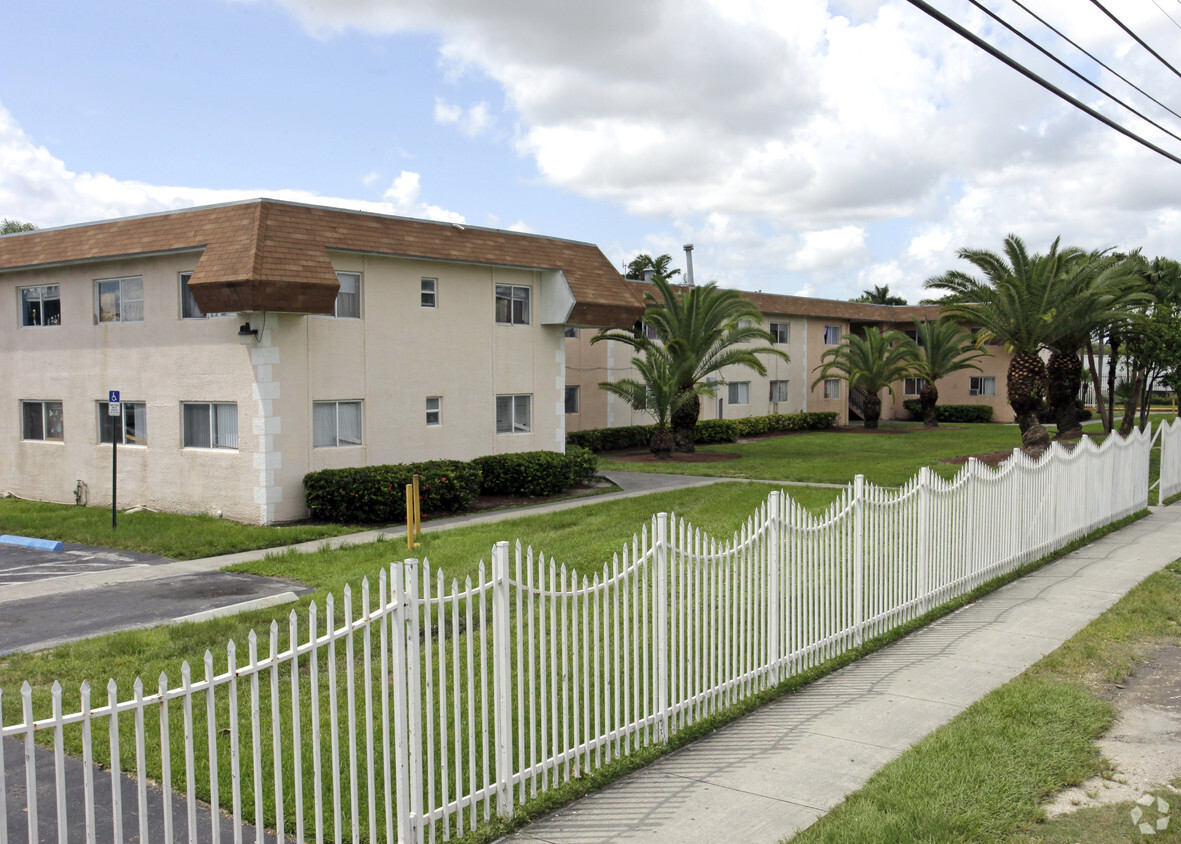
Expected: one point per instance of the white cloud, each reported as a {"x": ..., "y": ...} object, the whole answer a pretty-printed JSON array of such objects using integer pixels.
[
  {"x": 39, "y": 188},
  {"x": 472, "y": 121}
]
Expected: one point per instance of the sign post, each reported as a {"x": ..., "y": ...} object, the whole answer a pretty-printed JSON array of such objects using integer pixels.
[{"x": 115, "y": 411}]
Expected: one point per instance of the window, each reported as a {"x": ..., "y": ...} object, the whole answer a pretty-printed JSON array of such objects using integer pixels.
[
  {"x": 41, "y": 420},
  {"x": 982, "y": 385},
  {"x": 779, "y": 332},
  {"x": 120, "y": 299},
  {"x": 336, "y": 423},
  {"x": 739, "y": 392},
  {"x": 571, "y": 332},
  {"x": 778, "y": 391},
  {"x": 434, "y": 410},
  {"x": 348, "y": 300},
  {"x": 430, "y": 292},
  {"x": 41, "y": 305},
  {"x": 188, "y": 304},
  {"x": 913, "y": 386},
  {"x": 133, "y": 429},
  {"x": 572, "y": 399},
  {"x": 744, "y": 323},
  {"x": 512, "y": 414},
  {"x": 210, "y": 424},
  {"x": 832, "y": 335},
  {"x": 832, "y": 388},
  {"x": 512, "y": 305}
]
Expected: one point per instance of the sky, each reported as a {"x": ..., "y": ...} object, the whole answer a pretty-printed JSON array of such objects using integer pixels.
[{"x": 804, "y": 147}]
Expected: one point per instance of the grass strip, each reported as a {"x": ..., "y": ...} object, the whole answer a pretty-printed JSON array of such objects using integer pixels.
[{"x": 983, "y": 776}]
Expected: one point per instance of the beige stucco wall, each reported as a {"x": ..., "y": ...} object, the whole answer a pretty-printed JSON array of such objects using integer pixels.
[{"x": 391, "y": 359}]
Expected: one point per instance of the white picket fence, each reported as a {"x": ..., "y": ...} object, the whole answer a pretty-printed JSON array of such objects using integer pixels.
[
  {"x": 1170, "y": 460},
  {"x": 441, "y": 705}
]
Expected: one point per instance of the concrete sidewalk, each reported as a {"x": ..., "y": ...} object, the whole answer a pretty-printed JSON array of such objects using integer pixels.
[{"x": 781, "y": 768}]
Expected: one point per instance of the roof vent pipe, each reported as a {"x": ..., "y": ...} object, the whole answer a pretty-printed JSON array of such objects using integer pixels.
[
  {"x": 689, "y": 264},
  {"x": 648, "y": 273}
]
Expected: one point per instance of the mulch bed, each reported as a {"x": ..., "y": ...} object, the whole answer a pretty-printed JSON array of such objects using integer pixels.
[{"x": 677, "y": 457}]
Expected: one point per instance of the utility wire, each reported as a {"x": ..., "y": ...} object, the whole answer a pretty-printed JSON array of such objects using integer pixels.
[
  {"x": 1063, "y": 64},
  {"x": 1137, "y": 38},
  {"x": 1029, "y": 74},
  {"x": 1092, "y": 56},
  {"x": 1172, "y": 19}
]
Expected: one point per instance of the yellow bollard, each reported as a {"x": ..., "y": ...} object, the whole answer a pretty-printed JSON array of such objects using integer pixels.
[{"x": 413, "y": 513}]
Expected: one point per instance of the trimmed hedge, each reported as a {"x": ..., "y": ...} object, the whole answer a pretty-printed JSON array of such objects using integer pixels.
[
  {"x": 952, "y": 412},
  {"x": 378, "y": 493},
  {"x": 583, "y": 462},
  {"x": 707, "y": 431},
  {"x": 525, "y": 473}
]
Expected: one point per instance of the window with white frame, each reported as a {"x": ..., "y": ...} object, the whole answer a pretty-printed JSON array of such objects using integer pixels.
[
  {"x": 429, "y": 293},
  {"x": 348, "y": 299},
  {"x": 513, "y": 414},
  {"x": 832, "y": 388},
  {"x": 130, "y": 426},
  {"x": 41, "y": 420},
  {"x": 744, "y": 323},
  {"x": 434, "y": 410},
  {"x": 41, "y": 305},
  {"x": 913, "y": 386},
  {"x": 188, "y": 303},
  {"x": 982, "y": 385},
  {"x": 571, "y": 332},
  {"x": 120, "y": 299},
  {"x": 739, "y": 392},
  {"x": 779, "y": 332},
  {"x": 336, "y": 423},
  {"x": 572, "y": 398},
  {"x": 832, "y": 335},
  {"x": 209, "y": 424},
  {"x": 778, "y": 391},
  {"x": 512, "y": 304}
]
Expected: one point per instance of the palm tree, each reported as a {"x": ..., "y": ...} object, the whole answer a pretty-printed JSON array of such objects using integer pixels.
[
  {"x": 1016, "y": 303},
  {"x": 879, "y": 296},
  {"x": 873, "y": 363},
  {"x": 658, "y": 265},
  {"x": 656, "y": 391},
  {"x": 703, "y": 329},
  {"x": 944, "y": 348},
  {"x": 1102, "y": 289}
]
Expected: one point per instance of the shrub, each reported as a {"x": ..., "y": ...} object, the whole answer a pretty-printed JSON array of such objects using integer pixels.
[
  {"x": 528, "y": 473},
  {"x": 707, "y": 431},
  {"x": 584, "y": 463},
  {"x": 955, "y": 413},
  {"x": 710, "y": 431},
  {"x": 378, "y": 493}
]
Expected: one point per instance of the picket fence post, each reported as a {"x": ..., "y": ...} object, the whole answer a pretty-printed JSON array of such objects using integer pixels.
[
  {"x": 858, "y": 557},
  {"x": 775, "y": 647},
  {"x": 660, "y": 547},
  {"x": 415, "y": 756},
  {"x": 502, "y": 678},
  {"x": 924, "y": 555},
  {"x": 398, "y": 669}
]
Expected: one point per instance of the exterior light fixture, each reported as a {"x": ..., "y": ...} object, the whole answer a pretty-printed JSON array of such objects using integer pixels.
[{"x": 246, "y": 334}]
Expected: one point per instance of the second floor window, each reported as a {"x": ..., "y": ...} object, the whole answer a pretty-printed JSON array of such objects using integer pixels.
[
  {"x": 188, "y": 304},
  {"x": 832, "y": 335},
  {"x": 348, "y": 300},
  {"x": 120, "y": 299},
  {"x": 41, "y": 305},
  {"x": 512, "y": 305},
  {"x": 779, "y": 332}
]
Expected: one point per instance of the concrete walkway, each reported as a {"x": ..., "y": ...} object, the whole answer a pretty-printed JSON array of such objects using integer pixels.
[{"x": 781, "y": 768}]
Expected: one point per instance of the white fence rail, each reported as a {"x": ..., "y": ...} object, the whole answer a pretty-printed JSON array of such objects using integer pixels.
[
  {"x": 442, "y": 704},
  {"x": 1170, "y": 458}
]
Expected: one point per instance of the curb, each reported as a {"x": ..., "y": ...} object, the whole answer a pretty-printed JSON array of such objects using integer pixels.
[{"x": 234, "y": 609}]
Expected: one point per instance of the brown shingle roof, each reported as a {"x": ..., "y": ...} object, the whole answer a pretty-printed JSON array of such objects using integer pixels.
[{"x": 265, "y": 255}]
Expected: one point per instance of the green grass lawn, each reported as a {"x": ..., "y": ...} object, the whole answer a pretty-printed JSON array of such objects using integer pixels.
[
  {"x": 983, "y": 776},
  {"x": 179, "y": 537}
]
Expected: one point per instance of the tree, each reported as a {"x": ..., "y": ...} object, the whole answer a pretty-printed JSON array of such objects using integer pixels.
[
  {"x": 1015, "y": 303},
  {"x": 873, "y": 363},
  {"x": 656, "y": 391},
  {"x": 943, "y": 348},
  {"x": 8, "y": 226},
  {"x": 658, "y": 265},
  {"x": 879, "y": 296},
  {"x": 1152, "y": 340},
  {"x": 703, "y": 329}
]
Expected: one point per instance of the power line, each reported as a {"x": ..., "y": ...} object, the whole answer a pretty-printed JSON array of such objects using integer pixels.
[
  {"x": 1137, "y": 38},
  {"x": 1063, "y": 64},
  {"x": 1092, "y": 56},
  {"x": 1029, "y": 74},
  {"x": 1166, "y": 14}
]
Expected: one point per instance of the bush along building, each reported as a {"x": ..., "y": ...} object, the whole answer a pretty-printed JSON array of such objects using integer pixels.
[{"x": 254, "y": 342}]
